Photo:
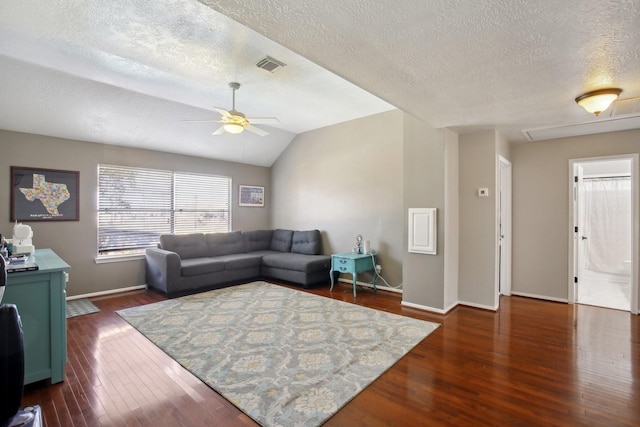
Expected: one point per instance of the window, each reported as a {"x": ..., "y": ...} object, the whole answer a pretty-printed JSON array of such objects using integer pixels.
[{"x": 136, "y": 206}]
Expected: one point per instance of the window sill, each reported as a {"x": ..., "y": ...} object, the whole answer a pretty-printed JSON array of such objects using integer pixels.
[{"x": 118, "y": 258}]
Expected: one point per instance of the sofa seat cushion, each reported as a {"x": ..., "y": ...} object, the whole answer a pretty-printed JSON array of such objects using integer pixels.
[
  {"x": 186, "y": 245},
  {"x": 298, "y": 262},
  {"x": 240, "y": 261},
  {"x": 198, "y": 266}
]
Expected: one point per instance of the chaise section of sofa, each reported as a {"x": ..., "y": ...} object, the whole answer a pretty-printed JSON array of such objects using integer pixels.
[
  {"x": 298, "y": 258},
  {"x": 187, "y": 263}
]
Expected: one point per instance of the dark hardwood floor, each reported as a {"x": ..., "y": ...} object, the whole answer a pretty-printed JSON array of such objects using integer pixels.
[{"x": 530, "y": 363}]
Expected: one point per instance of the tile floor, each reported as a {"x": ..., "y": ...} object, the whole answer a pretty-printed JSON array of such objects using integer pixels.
[{"x": 605, "y": 290}]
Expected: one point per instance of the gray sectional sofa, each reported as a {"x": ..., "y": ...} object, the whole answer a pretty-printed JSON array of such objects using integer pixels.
[{"x": 188, "y": 263}]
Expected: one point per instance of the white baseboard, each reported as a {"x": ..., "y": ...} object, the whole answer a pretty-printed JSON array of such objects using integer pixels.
[
  {"x": 524, "y": 294},
  {"x": 428, "y": 308},
  {"x": 369, "y": 285},
  {"x": 451, "y": 307},
  {"x": 482, "y": 306},
  {"x": 102, "y": 293}
]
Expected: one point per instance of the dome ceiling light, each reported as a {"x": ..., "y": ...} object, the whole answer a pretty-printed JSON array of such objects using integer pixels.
[{"x": 597, "y": 101}]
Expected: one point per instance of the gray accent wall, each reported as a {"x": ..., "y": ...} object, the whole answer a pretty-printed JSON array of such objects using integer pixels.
[
  {"x": 346, "y": 180},
  {"x": 76, "y": 241},
  {"x": 424, "y": 187},
  {"x": 541, "y": 207},
  {"x": 359, "y": 177},
  {"x": 478, "y": 232},
  {"x": 452, "y": 219}
]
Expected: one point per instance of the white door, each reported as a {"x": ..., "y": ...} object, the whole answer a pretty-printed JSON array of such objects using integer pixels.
[
  {"x": 578, "y": 227},
  {"x": 604, "y": 236},
  {"x": 504, "y": 227}
]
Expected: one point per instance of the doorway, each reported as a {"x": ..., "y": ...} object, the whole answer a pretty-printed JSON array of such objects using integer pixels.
[{"x": 604, "y": 221}]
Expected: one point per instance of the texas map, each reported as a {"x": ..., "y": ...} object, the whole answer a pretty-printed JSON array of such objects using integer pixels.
[{"x": 50, "y": 194}]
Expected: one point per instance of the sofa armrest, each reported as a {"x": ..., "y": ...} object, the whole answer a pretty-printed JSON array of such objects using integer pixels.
[{"x": 162, "y": 269}]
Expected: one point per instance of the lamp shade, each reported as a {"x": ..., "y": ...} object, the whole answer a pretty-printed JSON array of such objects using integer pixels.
[
  {"x": 599, "y": 100},
  {"x": 233, "y": 128}
]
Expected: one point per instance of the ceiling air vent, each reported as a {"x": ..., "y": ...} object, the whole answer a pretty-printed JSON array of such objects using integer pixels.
[{"x": 270, "y": 64}]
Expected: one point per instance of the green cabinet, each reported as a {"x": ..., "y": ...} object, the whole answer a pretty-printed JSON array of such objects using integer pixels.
[
  {"x": 353, "y": 263},
  {"x": 41, "y": 300}
]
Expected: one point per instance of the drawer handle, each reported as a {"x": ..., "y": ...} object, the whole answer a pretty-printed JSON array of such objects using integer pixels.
[
  {"x": 342, "y": 261},
  {"x": 343, "y": 268}
]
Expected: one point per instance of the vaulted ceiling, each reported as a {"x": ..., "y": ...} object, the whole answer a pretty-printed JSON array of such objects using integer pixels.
[{"x": 129, "y": 72}]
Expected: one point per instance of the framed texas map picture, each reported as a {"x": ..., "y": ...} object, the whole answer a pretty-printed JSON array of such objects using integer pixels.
[{"x": 44, "y": 194}]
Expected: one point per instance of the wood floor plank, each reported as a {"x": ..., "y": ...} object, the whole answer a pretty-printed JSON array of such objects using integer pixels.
[{"x": 530, "y": 363}]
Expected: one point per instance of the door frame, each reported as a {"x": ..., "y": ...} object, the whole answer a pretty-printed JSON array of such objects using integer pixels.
[
  {"x": 504, "y": 209},
  {"x": 635, "y": 225}
]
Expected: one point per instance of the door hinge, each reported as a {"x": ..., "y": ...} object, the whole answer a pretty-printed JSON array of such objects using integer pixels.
[
  {"x": 575, "y": 229},
  {"x": 575, "y": 179},
  {"x": 575, "y": 279}
]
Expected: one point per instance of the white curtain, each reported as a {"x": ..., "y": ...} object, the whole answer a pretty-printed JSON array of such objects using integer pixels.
[{"x": 608, "y": 224}]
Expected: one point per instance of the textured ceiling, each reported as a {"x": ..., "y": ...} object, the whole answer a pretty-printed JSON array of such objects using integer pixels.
[
  {"x": 128, "y": 72},
  {"x": 508, "y": 64}
]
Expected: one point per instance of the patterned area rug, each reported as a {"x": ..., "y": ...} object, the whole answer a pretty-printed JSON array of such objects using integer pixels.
[
  {"x": 282, "y": 356},
  {"x": 80, "y": 307}
]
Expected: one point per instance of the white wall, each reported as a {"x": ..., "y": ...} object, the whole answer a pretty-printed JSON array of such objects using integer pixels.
[
  {"x": 346, "y": 180},
  {"x": 76, "y": 241}
]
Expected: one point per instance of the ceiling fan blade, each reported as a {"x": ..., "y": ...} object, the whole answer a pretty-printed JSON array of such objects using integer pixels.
[
  {"x": 256, "y": 130},
  {"x": 235, "y": 118},
  {"x": 264, "y": 120},
  {"x": 222, "y": 111}
]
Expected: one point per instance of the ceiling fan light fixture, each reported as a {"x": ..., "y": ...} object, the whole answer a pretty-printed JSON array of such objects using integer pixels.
[
  {"x": 233, "y": 128},
  {"x": 597, "y": 101}
]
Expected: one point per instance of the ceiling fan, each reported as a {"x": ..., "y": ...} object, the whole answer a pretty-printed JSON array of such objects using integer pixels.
[{"x": 234, "y": 121}]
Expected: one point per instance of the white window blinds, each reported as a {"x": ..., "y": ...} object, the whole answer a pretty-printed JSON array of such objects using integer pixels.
[
  {"x": 201, "y": 203},
  {"x": 136, "y": 206}
]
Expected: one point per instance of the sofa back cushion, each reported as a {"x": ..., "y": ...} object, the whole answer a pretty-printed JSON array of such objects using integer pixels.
[
  {"x": 281, "y": 240},
  {"x": 306, "y": 242},
  {"x": 258, "y": 240},
  {"x": 225, "y": 243},
  {"x": 185, "y": 245}
]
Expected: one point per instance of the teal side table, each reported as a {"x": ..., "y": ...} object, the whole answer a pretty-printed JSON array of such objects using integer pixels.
[
  {"x": 353, "y": 263},
  {"x": 41, "y": 300}
]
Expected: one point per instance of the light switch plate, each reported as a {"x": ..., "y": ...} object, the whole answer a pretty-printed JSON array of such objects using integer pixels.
[{"x": 483, "y": 192}]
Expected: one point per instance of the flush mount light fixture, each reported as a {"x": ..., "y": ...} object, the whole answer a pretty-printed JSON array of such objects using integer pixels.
[
  {"x": 597, "y": 101},
  {"x": 233, "y": 127}
]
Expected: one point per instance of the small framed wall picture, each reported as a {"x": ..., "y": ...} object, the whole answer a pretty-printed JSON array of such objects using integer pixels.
[
  {"x": 44, "y": 194},
  {"x": 250, "y": 195}
]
